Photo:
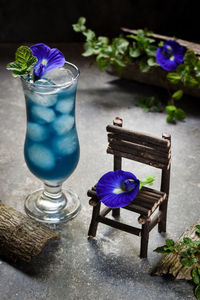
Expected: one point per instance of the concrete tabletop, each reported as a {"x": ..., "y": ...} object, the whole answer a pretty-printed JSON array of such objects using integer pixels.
[{"x": 107, "y": 267}]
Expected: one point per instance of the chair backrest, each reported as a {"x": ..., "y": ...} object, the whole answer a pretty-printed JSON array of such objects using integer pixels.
[{"x": 140, "y": 147}]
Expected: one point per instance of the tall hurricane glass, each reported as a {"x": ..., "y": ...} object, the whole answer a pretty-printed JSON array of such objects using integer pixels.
[{"x": 51, "y": 148}]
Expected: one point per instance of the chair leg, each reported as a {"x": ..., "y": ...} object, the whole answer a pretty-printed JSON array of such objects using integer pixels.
[
  {"x": 94, "y": 223},
  {"x": 163, "y": 221},
  {"x": 144, "y": 240},
  {"x": 116, "y": 212}
]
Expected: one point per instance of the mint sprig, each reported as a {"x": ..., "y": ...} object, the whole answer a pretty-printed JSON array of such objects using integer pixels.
[{"x": 24, "y": 62}]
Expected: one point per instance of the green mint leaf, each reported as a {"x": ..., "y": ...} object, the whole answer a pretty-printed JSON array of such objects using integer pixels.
[
  {"x": 187, "y": 262},
  {"x": 197, "y": 229},
  {"x": 151, "y": 62},
  {"x": 163, "y": 250},
  {"x": 103, "y": 40},
  {"x": 80, "y": 26},
  {"x": 179, "y": 114},
  {"x": 190, "y": 58},
  {"x": 121, "y": 45},
  {"x": 195, "y": 276},
  {"x": 187, "y": 240},
  {"x": 197, "y": 292},
  {"x": 24, "y": 62},
  {"x": 170, "y": 109},
  {"x": 190, "y": 81},
  {"x": 169, "y": 242},
  {"x": 134, "y": 52},
  {"x": 177, "y": 95},
  {"x": 174, "y": 77},
  {"x": 144, "y": 67},
  {"x": 89, "y": 34}
]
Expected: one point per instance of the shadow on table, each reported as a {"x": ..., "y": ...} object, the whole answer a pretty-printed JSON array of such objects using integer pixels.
[{"x": 41, "y": 264}]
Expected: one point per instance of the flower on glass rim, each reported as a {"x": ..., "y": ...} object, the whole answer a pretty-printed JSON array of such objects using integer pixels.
[
  {"x": 117, "y": 188},
  {"x": 170, "y": 55},
  {"x": 48, "y": 59}
]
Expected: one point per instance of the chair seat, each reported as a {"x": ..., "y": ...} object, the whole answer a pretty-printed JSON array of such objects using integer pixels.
[{"x": 144, "y": 204}]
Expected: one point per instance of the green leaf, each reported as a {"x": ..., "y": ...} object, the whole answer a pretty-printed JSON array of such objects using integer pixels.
[
  {"x": 179, "y": 114},
  {"x": 197, "y": 229},
  {"x": 169, "y": 242},
  {"x": 151, "y": 50},
  {"x": 88, "y": 52},
  {"x": 103, "y": 40},
  {"x": 173, "y": 77},
  {"x": 134, "y": 52},
  {"x": 120, "y": 44},
  {"x": 170, "y": 119},
  {"x": 80, "y": 27},
  {"x": 89, "y": 34},
  {"x": 195, "y": 276},
  {"x": 190, "y": 81},
  {"x": 187, "y": 262},
  {"x": 197, "y": 291},
  {"x": 190, "y": 58},
  {"x": 187, "y": 240},
  {"x": 177, "y": 95},
  {"x": 164, "y": 249},
  {"x": 151, "y": 62},
  {"x": 144, "y": 67},
  {"x": 24, "y": 62},
  {"x": 170, "y": 109}
]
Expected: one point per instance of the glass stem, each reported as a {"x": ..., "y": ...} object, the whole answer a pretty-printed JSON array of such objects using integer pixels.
[{"x": 52, "y": 199}]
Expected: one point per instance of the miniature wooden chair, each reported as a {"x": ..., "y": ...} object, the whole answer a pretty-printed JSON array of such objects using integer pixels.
[{"x": 146, "y": 149}]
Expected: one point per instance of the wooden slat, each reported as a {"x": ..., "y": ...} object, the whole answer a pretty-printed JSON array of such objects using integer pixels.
[
  {"x": 136, "y": 158},
  {"x": 146, "y": 138},
  {"x": 116, "y": 139},
  {"x": 119, "y": 225}
]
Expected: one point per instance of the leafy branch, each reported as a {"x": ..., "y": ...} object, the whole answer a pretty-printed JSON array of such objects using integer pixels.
[
  {"x": 122, "y": 51},
  {"x": 188, "y": 252}
]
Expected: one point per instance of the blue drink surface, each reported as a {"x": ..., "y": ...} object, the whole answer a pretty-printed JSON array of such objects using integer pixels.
[{"x": 51, "y": 147}]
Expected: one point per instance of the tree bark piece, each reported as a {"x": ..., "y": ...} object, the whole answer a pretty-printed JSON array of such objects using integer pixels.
[
  {"x": 21, "y": 237},
  {"x": 170, "y": 264}
]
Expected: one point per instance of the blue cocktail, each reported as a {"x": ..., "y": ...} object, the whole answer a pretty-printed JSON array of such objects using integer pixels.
[{"x": 51, "y": 147}]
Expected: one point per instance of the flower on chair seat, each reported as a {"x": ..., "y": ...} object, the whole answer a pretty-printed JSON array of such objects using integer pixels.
[
  {"x": 48, "y": 59},
  {"x": 170, "y": 55},
  {"x": 117, "y": 188}
]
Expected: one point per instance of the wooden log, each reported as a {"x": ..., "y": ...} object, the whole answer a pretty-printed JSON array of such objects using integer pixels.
[
  {"x": 156, "y": 76},
  {"x": 21, "y": 238},
  {"x": 142, "y": 137},
  {"x": 170, "y": 264},
  {"x": 189, "y": 45}
]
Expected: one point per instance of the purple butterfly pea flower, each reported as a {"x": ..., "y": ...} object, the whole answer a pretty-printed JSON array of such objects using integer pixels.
[
  {"x": 117, "y": 188},
  {"x": 170, "y": 55},
  {"x": 48, "y": 59}
]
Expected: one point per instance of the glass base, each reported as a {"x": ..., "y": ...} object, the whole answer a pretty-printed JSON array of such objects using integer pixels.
[{"x": 39, "y": 206}]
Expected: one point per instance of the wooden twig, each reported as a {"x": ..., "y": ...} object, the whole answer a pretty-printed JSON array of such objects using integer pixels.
[
  {"x": 21, "y": 237},
  {"x": 189, "y": 45}
]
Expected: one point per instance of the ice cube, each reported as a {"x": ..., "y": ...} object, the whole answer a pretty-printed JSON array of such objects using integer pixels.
[
  {"x": 41, "y": 94},
  {"x": 65, "y": 106},
  {"x": 63, "y": 124},
  {"x": 41, "y": 157},
  {"x": 36, "y": 132},
  {"x": 66, "y": 145},
  {"x": 43, "y": 114},
  {"x": 60, "y": 76}
]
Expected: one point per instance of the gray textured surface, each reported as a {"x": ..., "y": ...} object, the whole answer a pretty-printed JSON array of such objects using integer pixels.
[{"x": 108, "y": 267}]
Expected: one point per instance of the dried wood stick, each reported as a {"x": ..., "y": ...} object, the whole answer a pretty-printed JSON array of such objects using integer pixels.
[{"x": 21, "y": 237}]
